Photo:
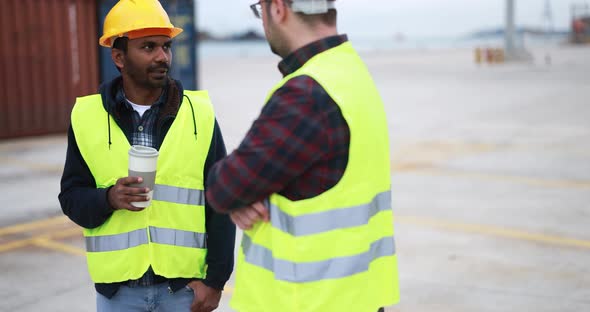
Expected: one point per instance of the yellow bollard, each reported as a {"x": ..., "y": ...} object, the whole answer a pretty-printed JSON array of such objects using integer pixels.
[
  {"x": 500, "y": 55},
  {"x": 490, "y": 55},
  {"x": 478, "y": 55}
]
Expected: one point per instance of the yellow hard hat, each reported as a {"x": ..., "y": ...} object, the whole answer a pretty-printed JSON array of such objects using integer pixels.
[{"x": 136, "y": 19}]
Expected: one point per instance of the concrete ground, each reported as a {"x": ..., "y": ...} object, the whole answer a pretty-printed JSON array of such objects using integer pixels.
[{"x": 491, "y": 184}]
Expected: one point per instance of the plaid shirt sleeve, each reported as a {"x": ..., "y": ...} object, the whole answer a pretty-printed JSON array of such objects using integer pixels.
[{"x": 286, "y": 139}]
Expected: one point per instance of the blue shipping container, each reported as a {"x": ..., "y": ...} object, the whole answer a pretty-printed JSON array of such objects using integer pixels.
[{"x": 184, "y": 50}]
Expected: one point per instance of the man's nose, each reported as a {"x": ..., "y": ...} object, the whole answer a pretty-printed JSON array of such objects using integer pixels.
[{"x": 162, "y": 55}]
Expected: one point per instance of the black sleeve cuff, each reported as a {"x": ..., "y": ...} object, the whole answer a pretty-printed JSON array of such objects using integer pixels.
[
  {"x": 106, "y": 206},
  {"x": 215, "y": 284}
]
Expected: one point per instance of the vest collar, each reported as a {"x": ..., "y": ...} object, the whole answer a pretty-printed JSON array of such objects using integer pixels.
[{"x": 299, "y": 57}]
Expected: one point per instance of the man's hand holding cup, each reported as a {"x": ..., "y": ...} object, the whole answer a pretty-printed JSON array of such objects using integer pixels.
[
  {"x": 122, "y": 194},
  {"x": 135, "y": 192}
]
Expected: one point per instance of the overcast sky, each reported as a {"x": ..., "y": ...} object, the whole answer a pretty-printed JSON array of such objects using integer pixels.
[{"x": 412, "y": 18}]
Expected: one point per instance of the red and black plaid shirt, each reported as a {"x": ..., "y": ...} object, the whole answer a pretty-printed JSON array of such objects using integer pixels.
[{"x": 298, "y": 146}]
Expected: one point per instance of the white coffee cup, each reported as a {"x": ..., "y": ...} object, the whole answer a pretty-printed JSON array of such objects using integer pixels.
[{"x": 142, "y": 163}]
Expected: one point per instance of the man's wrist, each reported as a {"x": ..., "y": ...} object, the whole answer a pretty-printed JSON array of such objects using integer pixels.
[
  {"x": 212, "y": 284},
  {"x": 108, "y": 190}
]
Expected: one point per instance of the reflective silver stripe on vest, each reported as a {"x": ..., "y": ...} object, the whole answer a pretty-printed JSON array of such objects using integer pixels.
[
  {"x": 301, "y": 272},
  {"x": 116, "y": 242},
  {"x": 177, "y": 237},
  {"x": 179, "y": 195},
  {"x": 329, "y": 220}
]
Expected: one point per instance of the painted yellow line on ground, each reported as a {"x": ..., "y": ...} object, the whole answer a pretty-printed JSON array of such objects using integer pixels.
[
  {"x": 413, "y": 166},
  {"x": 550, "y": 183},
  {"x": 495, "y": 231},
  {"x": 51, "y": 244},
  {"x": 228, "y": 289},
  {"x": 423, "y": 157},
  {"x": 15, "y": 245},
  {"x": 30, "y": 241},
  {"x": 36, "y": 225},
  {"x": 428, "y": 153},
  {"x": 74, "y": 231}
]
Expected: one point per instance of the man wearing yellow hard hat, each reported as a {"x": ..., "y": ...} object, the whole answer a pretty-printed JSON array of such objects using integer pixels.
[
  {"x": 316, "y": 212},
  {"x": 177, "y": 253}
]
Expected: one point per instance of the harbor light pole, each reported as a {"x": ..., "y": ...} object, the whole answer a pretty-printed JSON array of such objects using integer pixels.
[
  {"x": 513, "y": 52},
  {"x": 509, "y": 30}
]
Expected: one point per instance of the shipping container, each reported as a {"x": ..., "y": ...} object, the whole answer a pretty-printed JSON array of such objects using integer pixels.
[
  {"x": 184, "y": 50},
  {"x": 49, "y": 57}
]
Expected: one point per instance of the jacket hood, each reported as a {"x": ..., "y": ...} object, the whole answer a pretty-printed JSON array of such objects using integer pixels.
[{"x": 108, "y": 91}]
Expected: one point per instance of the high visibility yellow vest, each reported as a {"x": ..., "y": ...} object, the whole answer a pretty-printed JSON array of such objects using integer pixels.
[
  {"x": 170, "y": 234},
  {"x": 334, "y": 252}
]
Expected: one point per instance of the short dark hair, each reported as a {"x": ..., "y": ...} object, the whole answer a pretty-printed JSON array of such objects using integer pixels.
[{"x": 121, "y": 44}]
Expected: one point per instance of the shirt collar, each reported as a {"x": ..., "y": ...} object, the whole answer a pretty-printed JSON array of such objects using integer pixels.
[{"x": 299, "y": 57}]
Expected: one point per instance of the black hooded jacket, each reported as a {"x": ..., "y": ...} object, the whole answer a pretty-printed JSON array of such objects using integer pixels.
[{"x": 88, "y": 206}]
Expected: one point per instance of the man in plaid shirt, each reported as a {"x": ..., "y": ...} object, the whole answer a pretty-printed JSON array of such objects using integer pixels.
[{"x": 298, "y": 148}]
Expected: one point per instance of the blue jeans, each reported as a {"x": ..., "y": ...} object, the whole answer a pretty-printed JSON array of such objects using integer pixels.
[{"x": 156, "y": 298}]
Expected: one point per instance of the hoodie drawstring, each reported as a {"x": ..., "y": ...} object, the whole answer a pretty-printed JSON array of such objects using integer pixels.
[
  {"x": 193, "y": 110},
  {"x": 109, "y": 124}
]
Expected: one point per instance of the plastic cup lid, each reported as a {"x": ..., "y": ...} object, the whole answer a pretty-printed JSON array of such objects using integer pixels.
[{"x": 143, "y": 151}]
